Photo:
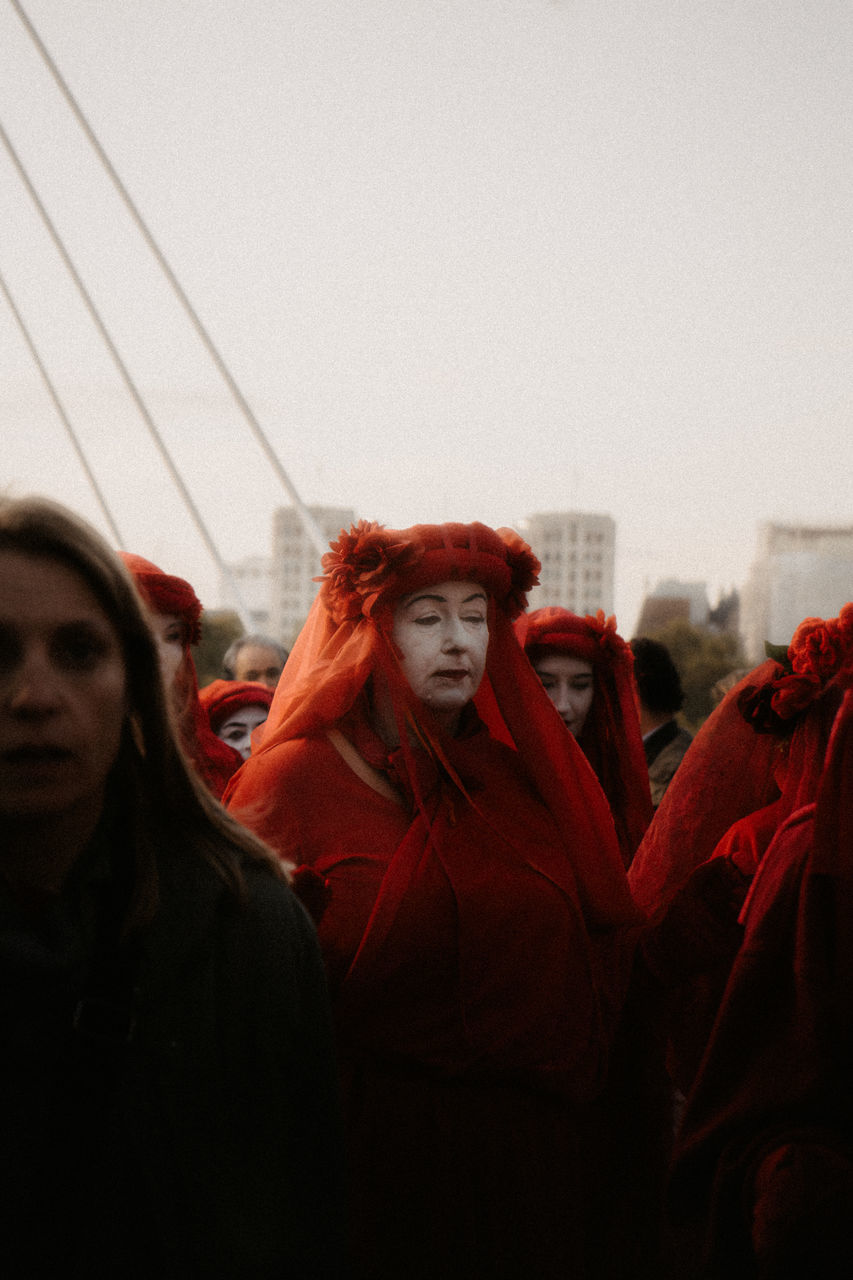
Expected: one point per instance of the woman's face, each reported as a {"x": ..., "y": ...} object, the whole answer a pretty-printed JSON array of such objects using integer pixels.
[
  {"x": 62, "y": 691},
  {"x": 170, "y": 633},
  {"x": 570, "y": 684},
  {"x": 237, "y": 729},
  {"x": 442, "y": 632}
]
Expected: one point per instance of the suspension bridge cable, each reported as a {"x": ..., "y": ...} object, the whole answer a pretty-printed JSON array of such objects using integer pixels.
[
  {"x": 60, "y": 409},
  {"x": 245, "y": 616},
  {"x": 308, "y": 522}
]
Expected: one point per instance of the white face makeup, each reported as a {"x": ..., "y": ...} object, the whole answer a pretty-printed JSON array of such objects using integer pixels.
[
  {"x": 237, "y": 729},
  {"x": 570, "y": 684},
  {"x": 169, "y": 632},
  {"x": 62, "y": 692},
  {"x": 443, "y": 634}
]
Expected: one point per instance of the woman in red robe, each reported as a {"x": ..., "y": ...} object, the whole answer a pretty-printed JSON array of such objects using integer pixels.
[
  {"x": 764, "y": 1169},
  {"x": 755, "y": 761},
  {"x": 476, "y": 923},
  {"x": 586, "y": 669},
  {"x": 174, "y": 613}
]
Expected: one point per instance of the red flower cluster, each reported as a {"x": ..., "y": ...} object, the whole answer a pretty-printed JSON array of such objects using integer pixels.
[
  {"x": 817, "y": 648},
  {"x": 524, "y": 571},
  {"x": 607, "y": 637},
  {"x": 360, "y": 565},
  {"x": 820, "y": 650}
]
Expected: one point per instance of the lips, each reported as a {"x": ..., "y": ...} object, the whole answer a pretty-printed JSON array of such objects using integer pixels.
[{"x": 453, "y": 673}]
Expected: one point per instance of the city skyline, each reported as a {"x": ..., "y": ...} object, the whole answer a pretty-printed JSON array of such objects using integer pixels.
[{"x": 469, "y": 262}]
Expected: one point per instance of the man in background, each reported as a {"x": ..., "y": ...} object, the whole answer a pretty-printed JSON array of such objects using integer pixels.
[
  {"x": 659, "y": 698},
  {"x": 254, "y": 657}
]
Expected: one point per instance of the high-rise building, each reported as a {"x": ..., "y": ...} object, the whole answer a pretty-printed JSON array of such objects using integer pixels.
[
  {"x": 673, "y": 601},
  {"x": 295, "y": 563},
  {"x": 253, "y": 579},
  {"x": 799, "y": 571},
  {"x": 577, "y": 550}
]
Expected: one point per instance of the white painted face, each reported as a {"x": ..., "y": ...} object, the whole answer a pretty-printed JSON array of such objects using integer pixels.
[
  {"x": 570, "y": 684},
  {"x": 442, "y": 632},
  {"x": 169, "y": 632},
  {"x": 237, "y": 729},
  {"x": 62, "y": 692}
]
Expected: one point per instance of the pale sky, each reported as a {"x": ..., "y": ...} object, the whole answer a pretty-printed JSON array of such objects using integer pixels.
[{"x": 467, "y": 259}]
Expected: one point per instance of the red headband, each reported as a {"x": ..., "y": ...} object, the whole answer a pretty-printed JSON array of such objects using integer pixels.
[
  {"x": 371, "y": 566},
  {"x": 222, "y": 698},
  {"x": 591, "y": 638}
]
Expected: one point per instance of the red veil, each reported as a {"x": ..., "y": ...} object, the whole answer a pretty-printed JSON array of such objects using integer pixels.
[
  {"x": 610, "y": 738},
  {"x": 477, "y": 935},
  {"x": 214, "y": 761},
  {"x": 764, "y": 1166},
  {"x": 347, "y": 639},
  {"x": 756, "y": 759}
]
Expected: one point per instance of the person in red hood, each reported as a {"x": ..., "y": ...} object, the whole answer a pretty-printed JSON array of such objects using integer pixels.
[
  {"x": 174, "y": 612},
  {"x": 762, "y": 1183},
  {"x": 235, "y": 709},
  {"x": 477, "y": 928},
  {"x": 586, "y": 669}
]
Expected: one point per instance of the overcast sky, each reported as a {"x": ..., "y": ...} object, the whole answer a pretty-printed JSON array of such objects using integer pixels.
[{"x": 467, "y": 259}]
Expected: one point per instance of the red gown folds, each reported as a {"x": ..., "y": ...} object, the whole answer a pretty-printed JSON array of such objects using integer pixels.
[
  {"x": 471, "y": 1022},
  {"x": 765, "y": 1160},
  {"x": 477, "y": 928}
]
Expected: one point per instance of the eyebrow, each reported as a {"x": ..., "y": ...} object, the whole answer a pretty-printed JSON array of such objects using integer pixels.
[{"x": 428, "y": 595}]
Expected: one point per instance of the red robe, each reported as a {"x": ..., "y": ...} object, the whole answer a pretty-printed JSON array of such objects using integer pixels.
[
  {"x": 473, "y": 1011},
  {"x": 764, "y": 1165}
]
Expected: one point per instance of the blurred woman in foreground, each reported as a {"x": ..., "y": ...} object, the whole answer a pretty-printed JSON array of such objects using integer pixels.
[
  {"x": 477, "y": 917},
  {"x": 168, "y": 1107}
]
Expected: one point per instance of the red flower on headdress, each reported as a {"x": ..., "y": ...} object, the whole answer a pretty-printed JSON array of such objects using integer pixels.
[
  {"x": 819, "y": 651},
  {"x": 845, "y": 625},
  {"x": 360, "y": 565},
  {"x": 817, "y": 648},
  {"x": 607, "y": 637},
  {"x": 524, "y": 571},
  {"x": 793, "y": 693}
]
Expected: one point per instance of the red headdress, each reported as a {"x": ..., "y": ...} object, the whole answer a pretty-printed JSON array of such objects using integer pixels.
[
  {"x": 212, "y": 759},
  {"x": 222, "y": 698},
  {"x": 756, "y": 759},
  {"x": 610, "y": 738},
  {"x": 164, "y": 593},
  {"x": 348, "y": 638}
]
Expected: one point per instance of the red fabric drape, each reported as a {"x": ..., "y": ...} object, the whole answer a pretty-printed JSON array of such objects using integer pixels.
[
  {"x": 772, "y": 1093},
  {"x": 477, "y": 934}
]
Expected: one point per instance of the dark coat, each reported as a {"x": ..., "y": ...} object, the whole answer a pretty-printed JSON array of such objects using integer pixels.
[{"x": 188, "y": 1124}]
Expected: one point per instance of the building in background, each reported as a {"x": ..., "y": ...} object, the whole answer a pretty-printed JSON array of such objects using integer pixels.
[
  {"x": 577, "y": 550},
  {"x": 673, "y": 601},
  {"x": 295, "y": 563},
  {"x": 253, "y": 577},
  {"x": 799, "y": 571},
  {"x": 676, "y": 601}
]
